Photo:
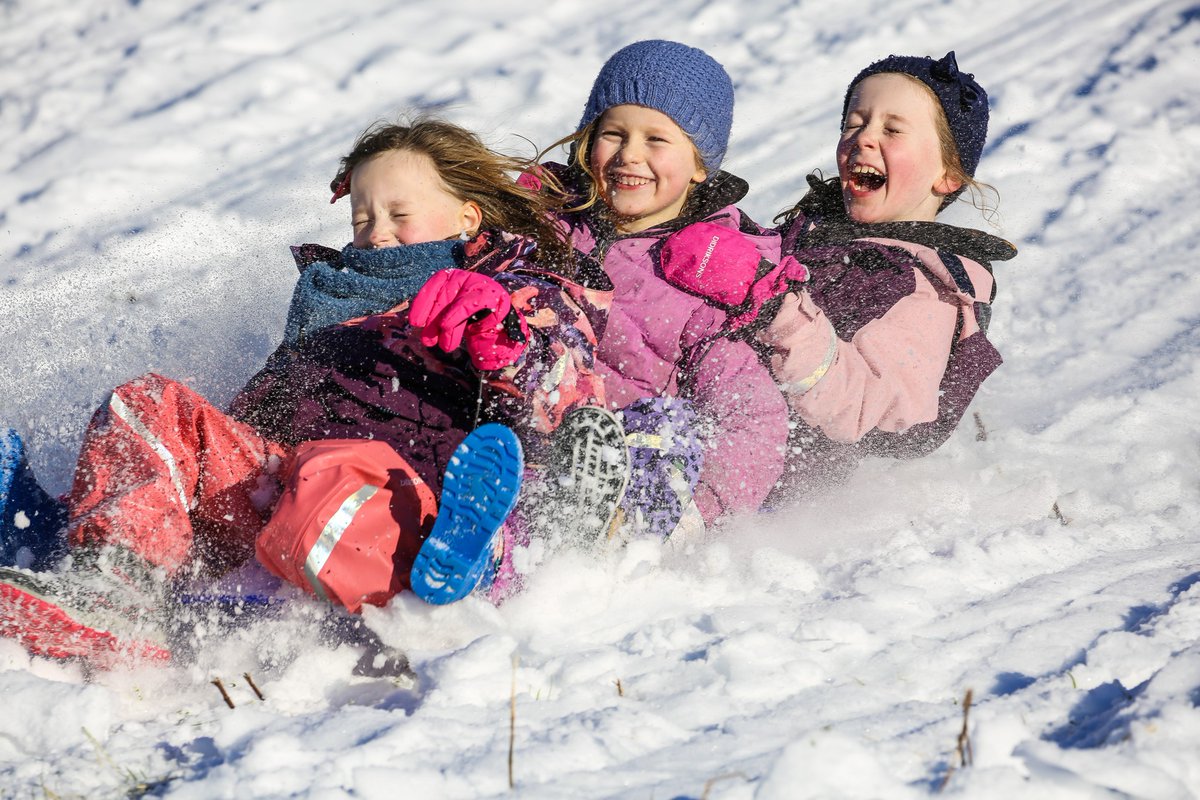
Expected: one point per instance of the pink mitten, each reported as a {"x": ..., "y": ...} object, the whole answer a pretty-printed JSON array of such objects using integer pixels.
[
  {"x": 713, "y": 261},
  {"x": 780, "y": 280},
  {"x": 723, "y": 265},
  {"x": 457, "y": 307}
]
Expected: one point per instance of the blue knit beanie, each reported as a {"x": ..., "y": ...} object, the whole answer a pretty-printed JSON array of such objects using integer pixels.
[
  {"x": 684, "y": 83},
  {"x": 964, "y": 101}
]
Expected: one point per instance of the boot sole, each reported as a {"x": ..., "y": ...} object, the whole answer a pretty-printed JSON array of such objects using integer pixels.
[
  {"x": 590, "y": 458},
  {"x": 478, "y": 493}
]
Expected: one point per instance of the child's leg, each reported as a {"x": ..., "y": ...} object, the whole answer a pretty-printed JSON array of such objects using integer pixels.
[
  {"x": 31, "y": 521},
  {"x": 616, "y": 477},
  {"x": 478, "y": 494},
  {"x": 507, "y": 576},
  {"x": 158, "y": 458},
  {"x": 586, "y": 477},
  {"x": 350, "y": 522},
  {"x": 665, "y": 460}
]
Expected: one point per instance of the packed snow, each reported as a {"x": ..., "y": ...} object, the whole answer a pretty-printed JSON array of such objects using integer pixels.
[{"x": 159, "y": 157}]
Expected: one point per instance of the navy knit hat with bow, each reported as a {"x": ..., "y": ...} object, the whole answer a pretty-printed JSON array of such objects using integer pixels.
[
  {"x": 684, "y": 83},
  {"x": 964, "y": 101}
]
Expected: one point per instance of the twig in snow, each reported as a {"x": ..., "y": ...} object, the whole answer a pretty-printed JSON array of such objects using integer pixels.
[
  {"x": 980, "y": 431},
  {"x": 512, "y": 722},
  {"x": 620, "y": 688},
  {"x": 708, "y": 784},
  {"x": 963, "y": 750},
  {"x": 1058, "y": 515},
  {"x": 224, "y": 694},
  {"x": 258, "y": 692}
]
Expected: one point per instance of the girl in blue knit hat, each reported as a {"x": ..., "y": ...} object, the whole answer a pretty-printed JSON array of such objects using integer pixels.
[
  {"x": 704, "y": 421},
  {"x": 884, "y": 344},
  {"x": 645, "y": 163}
]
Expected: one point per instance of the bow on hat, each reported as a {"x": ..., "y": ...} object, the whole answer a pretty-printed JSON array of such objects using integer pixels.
[{"x": 945, "y": 70}]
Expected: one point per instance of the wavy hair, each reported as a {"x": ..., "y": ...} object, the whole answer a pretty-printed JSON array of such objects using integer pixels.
[{"x": 471, "y": 171}]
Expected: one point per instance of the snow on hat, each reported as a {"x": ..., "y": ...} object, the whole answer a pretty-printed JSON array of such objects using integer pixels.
[
  {"x": 684, "y": 83},
  {"x": 964, "y": 101}
]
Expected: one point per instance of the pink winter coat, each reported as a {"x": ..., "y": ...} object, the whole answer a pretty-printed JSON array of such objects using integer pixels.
[
  {"x": 885, "y": 347},
  {"x": 662, "y": 340}
]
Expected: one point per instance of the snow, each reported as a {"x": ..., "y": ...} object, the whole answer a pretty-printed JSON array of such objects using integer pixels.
[{"x": 157, "y": 159}]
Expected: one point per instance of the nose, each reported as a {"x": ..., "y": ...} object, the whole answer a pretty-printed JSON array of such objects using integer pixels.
[
  {"x": 866, "y": 137},
  {"x": 380, "y": 236},
  {"x": 632, "y": 152}
]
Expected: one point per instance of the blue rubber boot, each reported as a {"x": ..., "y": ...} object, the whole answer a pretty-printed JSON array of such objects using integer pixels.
[
  {"x": 31, "y": 521},
  {"x": 478, "y": 493}
]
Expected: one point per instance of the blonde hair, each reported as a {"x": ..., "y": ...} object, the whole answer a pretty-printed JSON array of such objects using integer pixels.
[
  {"x": 951, "y": 160},
  {"x": 473, "y": 172}
]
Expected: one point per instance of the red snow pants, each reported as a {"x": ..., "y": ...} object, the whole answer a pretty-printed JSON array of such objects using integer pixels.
[{"x": 165, "y": 474}]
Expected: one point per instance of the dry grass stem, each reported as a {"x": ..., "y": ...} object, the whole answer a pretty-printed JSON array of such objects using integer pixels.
[
  {"x": 512, "y": 722},
  {"x": 963, "y": 748},
  {"x": 708, "y": 784},
  {"x": 224, "y": 694},
  {"x": 620, "y": 688},
  {"x": 257, "y": 692},
  {"x": 1058, "y": 515},
  {"x": 981, "y": 433}
]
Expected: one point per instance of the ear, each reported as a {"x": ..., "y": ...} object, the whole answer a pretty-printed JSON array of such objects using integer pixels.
[
  {"x": 470, "y": 216},
  {"x": 700, "y": 175},
  {"x": 946, "y": 185}
]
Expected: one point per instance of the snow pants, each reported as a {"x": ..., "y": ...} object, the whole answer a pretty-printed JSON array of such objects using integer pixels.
[{"x": 165, "y": 474}]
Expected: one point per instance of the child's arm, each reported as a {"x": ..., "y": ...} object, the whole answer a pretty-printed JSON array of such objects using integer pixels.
[
  {"x": 749, "y": 419},
  {"x": 525, "y": 336},
  {"x": 887, "y": 376}
]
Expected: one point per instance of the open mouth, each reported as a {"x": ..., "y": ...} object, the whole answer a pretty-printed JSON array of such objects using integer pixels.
[{"x": 866, "y": 179}]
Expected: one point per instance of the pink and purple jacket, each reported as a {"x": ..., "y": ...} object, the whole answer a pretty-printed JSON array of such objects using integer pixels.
[
  {"x": 885, "y": 347},
  {"x": 662, "y": 340}
]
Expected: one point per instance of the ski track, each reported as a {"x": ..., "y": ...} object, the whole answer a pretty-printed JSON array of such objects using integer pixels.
[{"x": 159, "y": 157}]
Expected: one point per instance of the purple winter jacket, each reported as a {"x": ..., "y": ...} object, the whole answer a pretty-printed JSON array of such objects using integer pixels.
[
  {"x": 663, "y": 340},
  {"x": 371, "y": 378}
]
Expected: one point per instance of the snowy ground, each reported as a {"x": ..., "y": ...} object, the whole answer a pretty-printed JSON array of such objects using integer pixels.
[{"x": 157, "y": 158}]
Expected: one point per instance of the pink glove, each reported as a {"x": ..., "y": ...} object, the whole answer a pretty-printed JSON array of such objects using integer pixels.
[
  {"x": 723, "y": 265},
  {"x": 459, "y": 307},
  {"x": 713, "y": 261}
]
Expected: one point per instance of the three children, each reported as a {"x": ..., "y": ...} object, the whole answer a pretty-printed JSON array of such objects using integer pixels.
[{"x": 734, "y": 355}]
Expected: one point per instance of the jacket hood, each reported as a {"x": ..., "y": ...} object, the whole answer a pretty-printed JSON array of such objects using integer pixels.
[
  {"x": 822, "y": 216},
  {"x": 966, "y": 242}
]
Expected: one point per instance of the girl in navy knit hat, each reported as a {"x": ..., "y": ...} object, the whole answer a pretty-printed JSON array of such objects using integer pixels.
[{"x": 884, "y": 344}]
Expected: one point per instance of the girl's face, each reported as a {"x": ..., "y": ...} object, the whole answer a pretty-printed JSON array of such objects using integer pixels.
[
  {"x": 889, "y": 159},
  {"x": 397, "y": 197},
  {"x": 644, "y": 165}
]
